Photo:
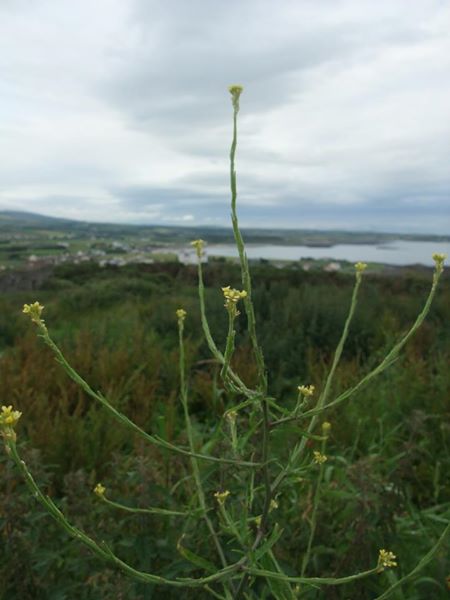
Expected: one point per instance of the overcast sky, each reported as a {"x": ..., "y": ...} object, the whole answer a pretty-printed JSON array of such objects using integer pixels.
[{"x": 118, "y": 111}]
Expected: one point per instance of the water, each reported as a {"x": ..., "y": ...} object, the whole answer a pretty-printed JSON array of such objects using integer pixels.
[{"x": 398, "y": 252}]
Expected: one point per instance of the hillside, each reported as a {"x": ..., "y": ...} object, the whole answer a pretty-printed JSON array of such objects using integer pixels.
[{"x": 24, "y": 224}]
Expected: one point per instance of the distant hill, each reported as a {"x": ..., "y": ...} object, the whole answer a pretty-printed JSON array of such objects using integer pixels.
[
  {"x": 17, "y": 222},
  {"x": 17, "y": 218}
]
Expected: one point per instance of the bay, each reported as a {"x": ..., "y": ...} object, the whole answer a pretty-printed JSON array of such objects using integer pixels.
[{"x": 399, "y": 252}]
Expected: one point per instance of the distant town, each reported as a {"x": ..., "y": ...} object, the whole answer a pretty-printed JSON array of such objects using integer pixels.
[{"x": 34, "y": 242}]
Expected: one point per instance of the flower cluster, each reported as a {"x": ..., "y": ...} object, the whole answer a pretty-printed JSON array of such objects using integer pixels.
[
  {"x": 9, "y": 417},
  {"x": 232, "y": 297},
  {"x": 235, "y": 91},
  {"x": 326, "y": 426},
  {"x": 273, "y": 505},
  {"x": 221, "y": 496},
  {"x": 198, "y": 245},
  {"x": 100, "y": 490},
  {"x": 439, "y": 260},
  {"x": 319, "y": 458},
  {"x": 35, "y": 311},
  {"x": 306, "y": 390},
  {"x": 181, "y": 314},
  {"x": 386, "y": 559},
  {"x": 360, "y": 267},
  {"x": 231, "y": 416}
]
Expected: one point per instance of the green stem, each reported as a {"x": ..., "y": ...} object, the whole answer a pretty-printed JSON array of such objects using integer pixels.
[
  {"x": 246, "y": 278},
  {"x": 316, "y": 501},
  {"x": 230, "y": 524},
  {"x": 149, "y": 511},
  {"x": 194, "y": 463},
  {"x": 234, "y": 379},
  {"x": 338, "y": 353},
  {"x": 251, "y": 324},
  {"x": 229, "y": 347},
  {"x": 324, "y": 395},
  {"x": 310, "y": 580}
]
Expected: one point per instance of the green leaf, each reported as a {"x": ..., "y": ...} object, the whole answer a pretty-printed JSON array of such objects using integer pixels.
[
  {"x": 281, "y": 590},
  {"x": 270, "y": 541},
  {"x": 194, "y": 558}
]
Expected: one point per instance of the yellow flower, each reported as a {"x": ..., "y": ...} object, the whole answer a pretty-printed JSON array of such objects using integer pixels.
[
  {"x": 360, "y": 267},
  {"x": 232, "y": 297},
  {"x": 326, "y": 426},
  {"x": 198, "y": 245},
  {"x": 306, "y": 390},
  {"x": 258, "y": 520},
  {"x": 319, "y": 458},
  {"x": 221, "y": 496},
  {"x": 439, "y": 260},
  {"x": 386, "y": 559},
  {"x": 181, "y": 314},
  {"x": 34, "y": 310},
  {"x": 231, "y": 416},
  {"x": 273, "y": 505},
  {"x": 235, "y": 91},
  {"x": 100, "y": 490},
  {"x": 9, "y": 417}
]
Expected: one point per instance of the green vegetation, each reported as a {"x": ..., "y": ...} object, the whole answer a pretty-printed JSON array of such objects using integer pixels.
[
  {"x": 315, "y": 501},
  {"x": 388, "y": 465}
]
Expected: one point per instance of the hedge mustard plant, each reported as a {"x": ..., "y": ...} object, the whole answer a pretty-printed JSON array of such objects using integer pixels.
[{"x": 242, "y": 513}]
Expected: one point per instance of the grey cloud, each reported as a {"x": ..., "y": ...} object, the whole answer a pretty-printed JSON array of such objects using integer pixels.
[
  {"x": 209, "y": 45},
  {"x": 409, "y": 210},
  {"x": 345, "y": 117},
  {"x": 203, "y": 46},
  {"x": 172, "y": 200}
]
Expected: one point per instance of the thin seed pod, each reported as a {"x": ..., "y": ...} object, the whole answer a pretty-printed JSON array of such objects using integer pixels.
[{"x": 148, "y": 511}]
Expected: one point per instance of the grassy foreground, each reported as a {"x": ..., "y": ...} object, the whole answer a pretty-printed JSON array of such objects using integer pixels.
[{"x": 386, "y": 481}]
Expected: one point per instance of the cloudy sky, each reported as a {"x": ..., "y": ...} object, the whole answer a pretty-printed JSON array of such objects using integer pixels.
[{"x": 118, "y": 111}]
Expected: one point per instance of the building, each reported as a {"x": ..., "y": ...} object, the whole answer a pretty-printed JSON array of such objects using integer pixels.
[{"x": 188, "y": 256}]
